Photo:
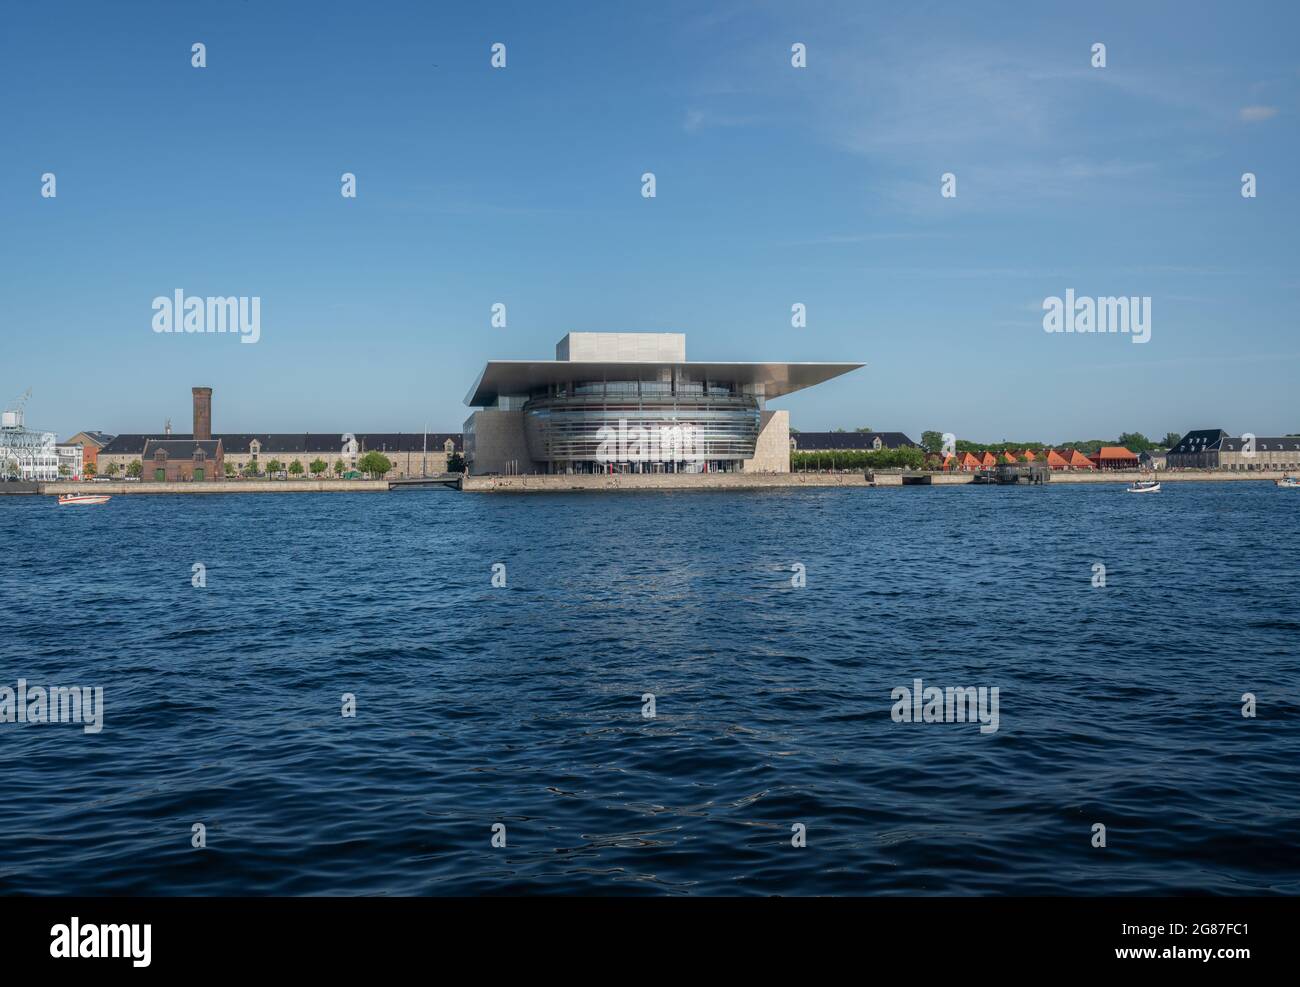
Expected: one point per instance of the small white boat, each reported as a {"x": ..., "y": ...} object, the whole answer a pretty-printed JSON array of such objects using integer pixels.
[
  {"x": 1145, "y": 486},
  {"x": 1289, "y": 482},
  {"x": 87, "y": 499}
]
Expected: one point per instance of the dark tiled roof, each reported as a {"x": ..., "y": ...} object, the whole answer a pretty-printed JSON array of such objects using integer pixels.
[
  {"x": 275, "y": 443},
  {"x": 132, "y": 443},
  {"x": 403, "y": 441},
  {"x": 819, "y": 441},
  {"x": 280, "y": 443},
  {"x": 1199, "y": 441},
  {"x": 1279, "y": 443},
  {"x": 181, "y": 448},
  {"x": 100, "y": 439}
]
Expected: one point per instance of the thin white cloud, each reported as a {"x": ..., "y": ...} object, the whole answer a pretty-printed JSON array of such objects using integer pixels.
[
  {"x": 1254, "y": 114},
  {"x": 698, "y": 120},
  {"x": 835, "y": 239}
]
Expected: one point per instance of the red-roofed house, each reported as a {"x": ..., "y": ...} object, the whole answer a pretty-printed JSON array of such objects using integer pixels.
[
  {"x": 1056, "y": 461},
  {"x": 1078, "y": 461},
  {"x": 1115, "y": 458},
  {"x": 989, "y": 461},
  {"x": 969, "y": 462}
]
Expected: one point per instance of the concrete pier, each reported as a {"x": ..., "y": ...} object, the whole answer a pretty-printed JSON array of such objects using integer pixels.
[
  {"x": 550, "y": 483},
  {"x": 775, "y": 481}
]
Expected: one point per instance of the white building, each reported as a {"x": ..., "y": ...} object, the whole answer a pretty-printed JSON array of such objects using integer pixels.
[
  {"x": 24, "y": 453},
  {"x": 70, "y": 462}
]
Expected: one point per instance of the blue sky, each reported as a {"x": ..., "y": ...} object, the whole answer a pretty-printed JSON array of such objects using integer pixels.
[{"x": 775, "y": 185}]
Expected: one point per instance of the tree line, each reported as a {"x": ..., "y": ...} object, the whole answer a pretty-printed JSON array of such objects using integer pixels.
[{"x": 1133, "y": 441}]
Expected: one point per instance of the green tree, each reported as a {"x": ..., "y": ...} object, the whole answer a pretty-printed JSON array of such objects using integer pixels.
[
  {"x": 295, "y": 468},
  {"x": 1135, "y": 442},
  {"x": 89, "y": 469},
  {"x": 908, "y": 457},
  {"x": 317, "y": 466},
  {"x": 274, "y": 466},
  {"x": 1087, "y": 447},
  {"x": 64, "y": 471},
  {"x": 339, "y": 467},
  {"x": 230, "y": 470},
  {"x": 932, "y": 441},
  {"x": 455, "y": 463},
  {"x": 375, "y": 463},
  {"x": 250, "y": 467},
  {"x": 114, "y": 469},
  {"x": 864, "y": 428},
  {"x": 135, "y": 469},
  {"x": 1171, "y": 439}
]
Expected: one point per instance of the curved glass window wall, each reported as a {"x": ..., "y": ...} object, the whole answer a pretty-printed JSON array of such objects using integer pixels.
[{"x": 577, "y": 427}]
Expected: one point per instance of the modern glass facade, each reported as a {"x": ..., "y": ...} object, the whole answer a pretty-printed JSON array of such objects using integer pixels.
[
  {"x": 674, "y": 425},
  {"x": 617, "y": 402}
]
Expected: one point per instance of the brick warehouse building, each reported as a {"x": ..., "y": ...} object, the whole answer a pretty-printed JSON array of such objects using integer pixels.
[
  {"x": 180, "y": 460},
  {"x": 406, "y": 450}
]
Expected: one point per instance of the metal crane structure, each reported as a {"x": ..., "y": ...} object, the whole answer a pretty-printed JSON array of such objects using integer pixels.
[{"x": 25, "y": 454}]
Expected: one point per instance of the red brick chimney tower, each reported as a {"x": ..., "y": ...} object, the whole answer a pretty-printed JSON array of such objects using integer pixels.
[{"x": 202, "y": 412}]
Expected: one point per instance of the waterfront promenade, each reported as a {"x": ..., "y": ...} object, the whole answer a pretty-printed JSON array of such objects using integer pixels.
[
  {"x": 539, "y": 483},
  {"x": 767, "y": 481}
]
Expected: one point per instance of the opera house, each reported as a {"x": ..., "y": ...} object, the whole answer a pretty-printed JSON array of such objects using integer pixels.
[{"x": 632, "y": 402}]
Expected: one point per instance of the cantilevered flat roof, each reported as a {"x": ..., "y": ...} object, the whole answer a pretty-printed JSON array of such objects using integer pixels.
[{"x": 520, "y": 376}]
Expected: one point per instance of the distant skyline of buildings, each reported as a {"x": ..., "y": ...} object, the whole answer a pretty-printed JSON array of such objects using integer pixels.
[
  {"x": 408, "y": 443},
  {"x": 1021, "y": 436},
  {"x": 170, "y": 455}
]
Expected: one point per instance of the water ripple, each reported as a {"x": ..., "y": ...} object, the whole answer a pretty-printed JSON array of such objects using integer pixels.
[{"x": 523, "y": 706}]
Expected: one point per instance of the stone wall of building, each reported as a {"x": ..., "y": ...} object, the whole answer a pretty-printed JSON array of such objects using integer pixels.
[
  {"x": 495, "y": 443},
  {"x": 772, "y": 451},
  {"x": 405, "y": 464},
  {"x": 1262, "y": 459}
]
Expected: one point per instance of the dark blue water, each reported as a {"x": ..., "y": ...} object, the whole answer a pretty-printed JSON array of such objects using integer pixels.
[{"x": 523, "y": 706}]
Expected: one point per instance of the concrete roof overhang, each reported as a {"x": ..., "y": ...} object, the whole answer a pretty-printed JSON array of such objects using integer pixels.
[{"x": 520, "y": 376}]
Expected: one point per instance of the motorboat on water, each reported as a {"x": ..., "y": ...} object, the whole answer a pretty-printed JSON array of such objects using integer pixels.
[
  {"x": 83, "y": 499},
  {"x": 1289, "y": 482},
  {"x": 1144, "y": 486}
]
